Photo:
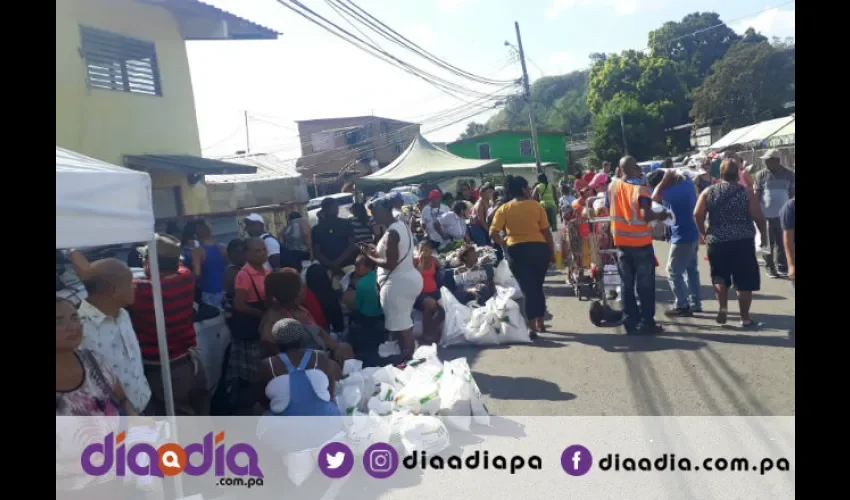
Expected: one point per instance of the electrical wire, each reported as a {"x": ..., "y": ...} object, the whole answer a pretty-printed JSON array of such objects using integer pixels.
[
  {"x": 381, "y": 28},
  {"x": 447, "y": 86}
]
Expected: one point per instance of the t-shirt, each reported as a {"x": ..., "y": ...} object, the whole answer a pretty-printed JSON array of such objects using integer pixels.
[
  {"x": 178, "y": 299},
  {"x": 453, "y": 226},
  {"x": 272, "y": 247},
  {"x": 787, "y": 216},
  {"x": 773, "y": 190},
  {"x": 366, "y": 299},
  {"x": 362, "y": 232},
  {"x": 431, "y": 214},
  {"x": 522, "y": 220},
  {"x": 332, "y": 237},
  {"x": 681, "y": 199},
  {"x": 253, "y": 282}
]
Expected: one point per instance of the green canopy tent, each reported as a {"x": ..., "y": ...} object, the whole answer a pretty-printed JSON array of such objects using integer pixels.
[{"x": 423, "y": 162}]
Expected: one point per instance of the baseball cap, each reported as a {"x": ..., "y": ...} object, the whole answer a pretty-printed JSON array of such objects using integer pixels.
[
  {"x": 771, "y": 153},
  {"x": 255, "y": 218},
  {"x": 435, "y": 195},
  {"x": 599, "y": 179},
  {"x": 166, "y": 246}
]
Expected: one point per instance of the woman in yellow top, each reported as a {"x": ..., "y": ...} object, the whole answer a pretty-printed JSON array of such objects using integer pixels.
[{"x": 530, "y": 246}]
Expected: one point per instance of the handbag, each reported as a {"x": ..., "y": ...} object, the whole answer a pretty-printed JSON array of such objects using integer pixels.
[
  {"x": 243, "y": 326},
  {"x": 100, "y": 380}
]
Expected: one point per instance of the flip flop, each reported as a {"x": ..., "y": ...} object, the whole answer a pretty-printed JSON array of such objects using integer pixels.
[
  {"x": 721, "y": 316},
  {"x": 752, "y": 325}
]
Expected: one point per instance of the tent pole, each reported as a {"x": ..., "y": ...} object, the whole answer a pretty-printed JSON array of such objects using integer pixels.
[{"x": 162, "y": 342}]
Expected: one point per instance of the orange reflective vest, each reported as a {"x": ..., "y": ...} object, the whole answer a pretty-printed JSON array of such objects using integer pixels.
[{"x": 627, "y": 227}]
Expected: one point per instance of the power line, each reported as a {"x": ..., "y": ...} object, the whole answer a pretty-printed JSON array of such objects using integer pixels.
[
  {"x": 447, "y": 86},
  {"x": 494, "y": 97},
  {"x": 439, "y": 116},
  {"x": 381, "y": 28}
]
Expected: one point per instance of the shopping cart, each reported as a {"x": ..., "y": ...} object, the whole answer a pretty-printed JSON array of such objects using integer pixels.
[
  {"x": 582, "y": 240},
  {"x": 603, "y": 272}
]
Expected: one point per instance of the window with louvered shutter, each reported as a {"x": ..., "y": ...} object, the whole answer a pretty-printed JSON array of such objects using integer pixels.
[{"x": 115, "y": 62}]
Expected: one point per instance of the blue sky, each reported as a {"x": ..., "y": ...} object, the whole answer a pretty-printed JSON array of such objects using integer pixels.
[{"x": 308, "y": 73}]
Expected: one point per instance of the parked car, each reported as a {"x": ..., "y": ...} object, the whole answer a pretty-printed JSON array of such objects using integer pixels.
[{"x": 345, "y": 201}]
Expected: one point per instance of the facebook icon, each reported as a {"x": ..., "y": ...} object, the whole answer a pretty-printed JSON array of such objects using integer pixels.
[{"x": 576, "y": 460}]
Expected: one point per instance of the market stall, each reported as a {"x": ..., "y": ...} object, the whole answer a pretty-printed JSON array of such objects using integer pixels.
[
  {"x": 423, "y": 162},
  {"x": 101, "y": 204}
]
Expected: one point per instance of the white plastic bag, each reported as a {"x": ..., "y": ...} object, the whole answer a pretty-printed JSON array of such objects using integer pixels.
[
  {"x": 388, "y": 374},
  {"x": 456, "y": 319},
  {"x": 366, "y": 430},
  {"x": 454, "y": 400},
  {"x": 503, "y": 276},
  {"x": 512, "y": 325},
  {"x": 300, "y": 465},
  {"x": 352, "y": 366},
  {"x": 460, "y": 368},
  {"x": 659, "y": 208},
  {"x": 419, "y": 397},
  {"x": 348, "y": 398},
  {"x": 426, "y": 434},
  {"x": 389, "y": 348}
]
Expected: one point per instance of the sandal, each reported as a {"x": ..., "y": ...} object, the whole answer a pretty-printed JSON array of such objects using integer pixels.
[
  {"x": 752, "y": 325},
  {"x": 540, "y": 326},
  {"x": 721, "y": 316}
]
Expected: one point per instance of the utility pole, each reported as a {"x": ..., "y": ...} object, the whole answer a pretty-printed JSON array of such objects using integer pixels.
[
  {"x": 527, "y": 91},
  {"x": 247, "y": 136},
  {"x": 623, "y": 130}
]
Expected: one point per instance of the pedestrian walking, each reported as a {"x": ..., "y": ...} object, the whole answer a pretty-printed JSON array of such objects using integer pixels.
[
  {"x": 731, "y": 210},
  {"x": 773, "y": 187},
  {"x": 678, "y": 194},
  {"x": 530, "y": 247},
  {"x": 630, "y": 207}
]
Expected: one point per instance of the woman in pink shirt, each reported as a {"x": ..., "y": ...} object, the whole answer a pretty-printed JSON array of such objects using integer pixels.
[{"x": 249, "y": 305}]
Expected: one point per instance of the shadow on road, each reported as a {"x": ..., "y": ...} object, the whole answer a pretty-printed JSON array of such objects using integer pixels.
[
  {"x": 620, "y": 342},
  {"x": 520, "y": 388}
]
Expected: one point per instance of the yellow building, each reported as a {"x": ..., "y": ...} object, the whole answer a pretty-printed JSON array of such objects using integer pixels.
[{"x": 124, "y": 92}]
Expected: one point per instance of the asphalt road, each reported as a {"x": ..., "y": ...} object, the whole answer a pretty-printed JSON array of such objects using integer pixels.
[{"x": 696, "y": 367}]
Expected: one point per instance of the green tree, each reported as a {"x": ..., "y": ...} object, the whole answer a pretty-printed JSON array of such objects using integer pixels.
[
  {"x": 651, "y": 88},
  {"x": 473, "y": 129},
  {"x": 753, "y": 36},
  {"x": 643, "y": 126},
  {"x": 559, "y": 103},
  {"x": 750, "y": 84},
  {"x": 696, "y": 42}
]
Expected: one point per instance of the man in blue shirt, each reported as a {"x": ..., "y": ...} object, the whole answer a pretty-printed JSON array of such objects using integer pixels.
[{"x": 678, "y": 194}]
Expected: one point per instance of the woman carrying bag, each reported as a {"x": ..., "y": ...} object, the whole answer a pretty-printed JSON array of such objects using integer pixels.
[{"x": 249, "y": 305}]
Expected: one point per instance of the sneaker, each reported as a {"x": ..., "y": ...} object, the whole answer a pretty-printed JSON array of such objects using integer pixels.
[
  {"x": 771, "y": 273},
  {"x": 696, "y": 309},
  {"x": 679, "y": 312}
]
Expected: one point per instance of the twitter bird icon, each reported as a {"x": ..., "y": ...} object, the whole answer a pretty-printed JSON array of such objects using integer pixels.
[{"x": 335, "y": 460}]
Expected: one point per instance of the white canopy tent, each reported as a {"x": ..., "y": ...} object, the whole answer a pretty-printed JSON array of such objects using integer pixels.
[{"x": 100, "y": 204}]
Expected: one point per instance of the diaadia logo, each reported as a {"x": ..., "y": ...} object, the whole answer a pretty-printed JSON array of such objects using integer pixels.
[{"x": 170, "y": 459}]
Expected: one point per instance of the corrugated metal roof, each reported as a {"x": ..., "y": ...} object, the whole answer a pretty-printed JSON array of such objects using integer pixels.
[
  {"x": 269, "y": 167},
  {"x": 205, "y": 9},
  {"x": 764, "y": 130},
  {"x": 186, "y": 164}
]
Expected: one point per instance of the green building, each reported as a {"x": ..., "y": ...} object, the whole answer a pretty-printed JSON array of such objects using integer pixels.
[{"x": 513, "y": 146}]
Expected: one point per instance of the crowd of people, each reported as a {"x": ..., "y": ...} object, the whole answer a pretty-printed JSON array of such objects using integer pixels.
[{"x": 308, "y": 299}]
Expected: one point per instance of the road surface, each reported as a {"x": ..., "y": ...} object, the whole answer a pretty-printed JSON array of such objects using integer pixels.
[{"x": 696, "y": 367}]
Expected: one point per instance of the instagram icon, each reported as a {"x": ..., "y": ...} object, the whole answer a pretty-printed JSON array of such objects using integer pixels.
[{"x": 380, "y": 460}]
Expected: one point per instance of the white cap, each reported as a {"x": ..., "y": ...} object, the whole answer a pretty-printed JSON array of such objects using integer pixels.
[
  {"x": 255, "y": 218},
  {"x": 771, "y": 153}
]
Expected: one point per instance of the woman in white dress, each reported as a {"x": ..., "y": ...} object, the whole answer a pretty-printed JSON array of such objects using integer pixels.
[{"x": 399, "y": 283}]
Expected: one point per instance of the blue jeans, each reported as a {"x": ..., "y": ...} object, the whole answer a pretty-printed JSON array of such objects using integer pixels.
[
  {"x": 637, "y": 272},
  {"x": 683, "y": 274}
]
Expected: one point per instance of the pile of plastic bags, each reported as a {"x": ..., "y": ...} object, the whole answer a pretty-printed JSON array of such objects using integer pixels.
[
  {"x": 499, "y": 321},
  {"x": 409, "y": 407}
]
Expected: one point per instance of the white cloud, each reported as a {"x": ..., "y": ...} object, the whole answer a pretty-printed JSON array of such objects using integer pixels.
[
  {"x": 770, "y": 22},
  {"x": 621, "y": 7},
  {"x": 419, "y": 33}
]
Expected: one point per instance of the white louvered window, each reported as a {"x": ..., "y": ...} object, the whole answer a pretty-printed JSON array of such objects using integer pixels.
[{"x": 116, "y": 62}]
